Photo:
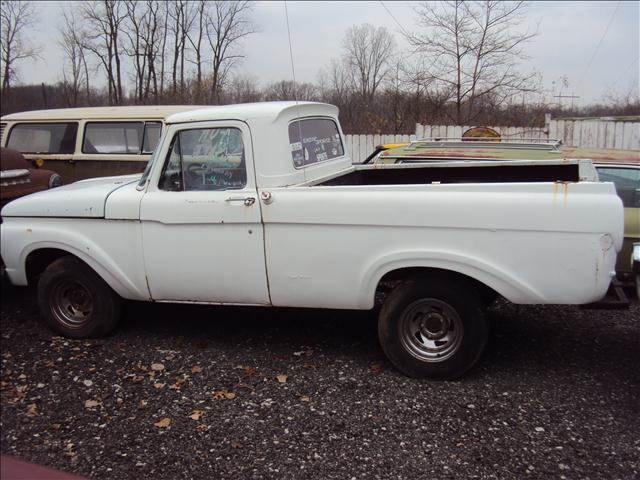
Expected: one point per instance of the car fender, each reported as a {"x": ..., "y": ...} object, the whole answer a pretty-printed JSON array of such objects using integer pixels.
[
  {"x": 75, "y": 243},
  {"x": 508, "y": 284}
]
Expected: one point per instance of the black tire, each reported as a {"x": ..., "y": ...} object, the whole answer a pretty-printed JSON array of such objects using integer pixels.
[
  {"x": 418, "y": 311},
  {"x": 76, "y": 302}
]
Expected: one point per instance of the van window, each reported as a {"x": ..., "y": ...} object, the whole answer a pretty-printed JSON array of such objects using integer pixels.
[
  {"x": 43, "y": 137},
  {"x": 113, "y": 137},
  {"x": 314, "y": 140},
  {"x": 152, "y": 132}
]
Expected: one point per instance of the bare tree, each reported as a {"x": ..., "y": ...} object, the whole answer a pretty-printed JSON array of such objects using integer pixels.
[
  {"x": 395, "y": 93},
  {"x": 16, "y": 18},
  {"x": 287, "y": 90},
  {"x": 337, "y": 88},
  {"x": 241, "y": 89},
  {"x": 75, "y": 71},
  {"x": 368, "y": 51},
  {"x": 336, "y": 80},
  {"x": 103, "y": 26},
  {"x": 428, "y": 95},
  {"x": 152, "y": 32},
  {"x": 472, "y": 50},
  {"x": 136, "y": 14},
  {"x": 180, "y": 18},
  {"x": 165, "y": 35},
  {"x": 143, "y": 30},
  {"x": 174, "y": 14},
  {"x": 624, "y": 100},
  {"x": 195, "y": 39},
  {"x": 226, "y": 25}
]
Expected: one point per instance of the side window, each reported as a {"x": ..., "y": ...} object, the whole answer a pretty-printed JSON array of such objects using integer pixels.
[
  {"x": 152, "y": 132},
  {"x": 171, "y": 178},
  {"x": 314, "y": 140},
  {"x": 627, "y": 182},
  {"x": 113, "y": 137},
  {"x": 43, "y": 137},
  {"x": 205, "y": 159}
]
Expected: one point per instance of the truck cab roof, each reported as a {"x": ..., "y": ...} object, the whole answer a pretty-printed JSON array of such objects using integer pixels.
[
  {"x": 269, "y": 123},
  {"x": 252, "y": 111}
]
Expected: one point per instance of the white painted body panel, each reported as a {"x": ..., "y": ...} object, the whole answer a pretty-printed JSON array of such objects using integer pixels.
[
  {"x": 200, "y": 247},
  {"x": 532, "y": 243},
  {"x": 83, "y": 199},
  {"x": 111, "y": 247},
  {"x": 124, "y": 202},
  {"x": 318, "y": 246}
]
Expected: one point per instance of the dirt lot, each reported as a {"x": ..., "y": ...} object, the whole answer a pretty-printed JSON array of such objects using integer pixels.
[{"x": 198, "y": 392}]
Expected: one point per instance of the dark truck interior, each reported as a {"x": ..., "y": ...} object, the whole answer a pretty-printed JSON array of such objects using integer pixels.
[{"x": 466, "y": 174}]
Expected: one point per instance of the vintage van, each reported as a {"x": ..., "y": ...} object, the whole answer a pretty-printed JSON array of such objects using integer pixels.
[{"x": 81, "y": 143}]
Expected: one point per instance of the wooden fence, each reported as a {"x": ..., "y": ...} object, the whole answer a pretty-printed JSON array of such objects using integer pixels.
[
  {"x": 604, "y": 132},
  {"x": 361, "y": 146}
]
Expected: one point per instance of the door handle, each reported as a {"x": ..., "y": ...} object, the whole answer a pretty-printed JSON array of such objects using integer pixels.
[{"x": 247, "y": 201}]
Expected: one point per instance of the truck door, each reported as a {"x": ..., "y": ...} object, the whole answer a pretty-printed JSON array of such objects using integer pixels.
[{"x": 203, "y": 238}]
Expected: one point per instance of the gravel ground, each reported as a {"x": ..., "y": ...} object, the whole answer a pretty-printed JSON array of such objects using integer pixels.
[{"x": 200, "y": 392}]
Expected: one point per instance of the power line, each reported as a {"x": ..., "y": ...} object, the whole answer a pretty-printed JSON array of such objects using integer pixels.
[
  {"x": 395, "y": 20},
  {"x": 624, "y": 73},
  {"x": 595, "y": 52}
]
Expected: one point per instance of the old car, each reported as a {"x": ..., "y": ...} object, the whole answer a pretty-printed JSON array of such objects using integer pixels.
[
  {"x": 20, "y": 176},
  {"x": 622, "y": 168},
  {"x": 260, "y": 204},
  {"x": 88, "y": 142}
]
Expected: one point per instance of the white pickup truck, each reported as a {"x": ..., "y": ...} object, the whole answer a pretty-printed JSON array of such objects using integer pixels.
[{"x": 259, "y": 204}]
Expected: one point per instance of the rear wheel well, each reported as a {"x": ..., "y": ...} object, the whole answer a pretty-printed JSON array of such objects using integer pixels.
[
  {"x": 38, "y": 261},
  {"x": 394, "y": 277}
]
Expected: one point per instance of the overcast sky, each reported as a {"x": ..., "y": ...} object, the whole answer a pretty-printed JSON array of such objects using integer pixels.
[{"x": 569, "y": 35}]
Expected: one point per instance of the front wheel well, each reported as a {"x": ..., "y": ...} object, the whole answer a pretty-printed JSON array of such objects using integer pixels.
[
  {"x": 394, "y": 277},
  {"x": 38, "y": 261}
]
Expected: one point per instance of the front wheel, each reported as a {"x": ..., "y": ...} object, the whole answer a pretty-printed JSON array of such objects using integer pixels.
[
  {"x": 75, "y": 301},
  {"x": 433, "y": 327}
]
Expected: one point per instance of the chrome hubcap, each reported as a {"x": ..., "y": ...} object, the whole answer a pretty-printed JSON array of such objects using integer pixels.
[
  {"x": 71, "y": 304},
  {"x": 431, "y": 330}
]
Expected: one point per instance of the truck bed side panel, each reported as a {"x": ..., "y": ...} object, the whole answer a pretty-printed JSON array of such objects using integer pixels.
[{"x": 532, "y": 243}]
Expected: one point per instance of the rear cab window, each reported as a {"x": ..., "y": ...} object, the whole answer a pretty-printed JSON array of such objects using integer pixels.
[
  {"x": 121, "y": 138},
  {"x": 53, "y": 137},
  {"x": 314, "y": 140}
]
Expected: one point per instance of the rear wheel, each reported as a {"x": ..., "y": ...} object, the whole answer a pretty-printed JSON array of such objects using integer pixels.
[
  {"x": 75, "y": 301},
  {"x": 433, "y": 327}
]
